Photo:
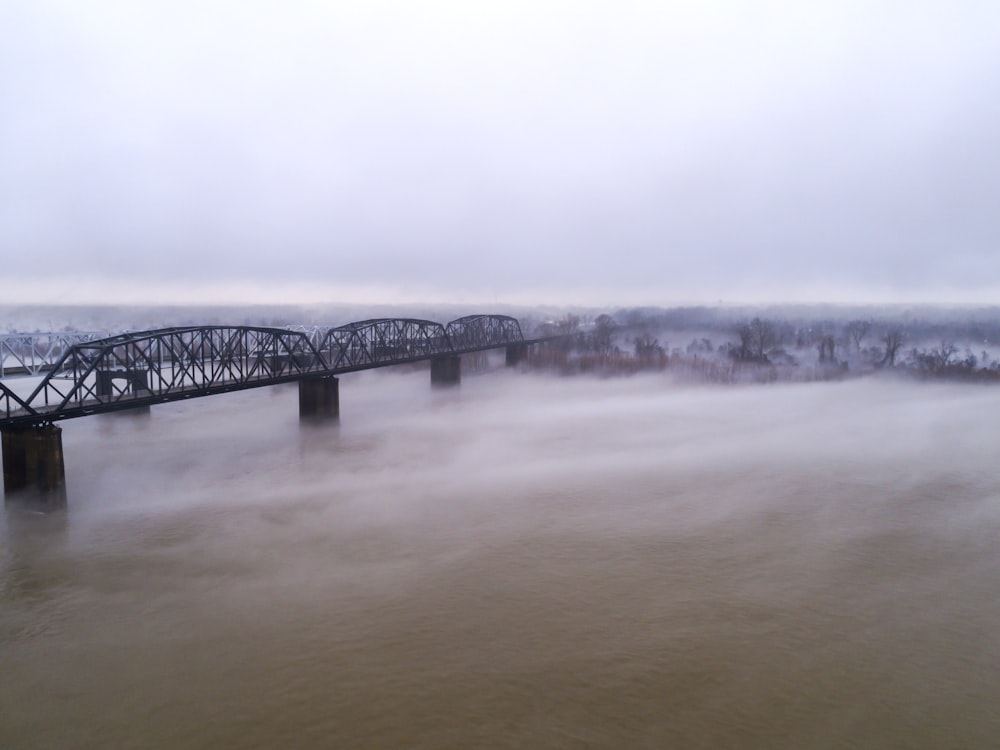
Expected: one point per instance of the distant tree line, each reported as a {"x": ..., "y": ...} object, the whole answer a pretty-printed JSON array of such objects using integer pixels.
[{"x": 760, "y": 348}]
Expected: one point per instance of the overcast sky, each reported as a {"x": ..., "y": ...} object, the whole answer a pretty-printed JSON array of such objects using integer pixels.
[{"x": 538, "y": 151}]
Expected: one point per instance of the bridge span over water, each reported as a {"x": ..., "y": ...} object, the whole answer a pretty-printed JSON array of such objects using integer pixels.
[{"x": 136, "y": 370}]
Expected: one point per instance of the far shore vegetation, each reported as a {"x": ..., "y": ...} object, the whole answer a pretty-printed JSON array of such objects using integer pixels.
[{"x": 710, "y": 348}]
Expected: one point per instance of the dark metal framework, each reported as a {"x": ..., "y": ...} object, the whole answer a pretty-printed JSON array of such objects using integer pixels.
[
  {"x": 378, "y": 341},
  {"x": 484, "y": 331},
  {"x": 32, "y": 353},
  {"x": 149, "y": 367}
]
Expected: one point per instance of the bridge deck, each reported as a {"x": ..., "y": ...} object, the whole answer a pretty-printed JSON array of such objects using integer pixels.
[{"x": 152, "y": 367}]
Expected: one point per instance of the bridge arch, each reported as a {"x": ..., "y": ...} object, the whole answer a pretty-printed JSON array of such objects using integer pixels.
[
  {"x": 369, "y": 342},
  {"x": 141, "y": 368},
  {"x": 167, "y": 364},
  {"x": 137, "y": 369},
  {"x": 484, "y": 331}
]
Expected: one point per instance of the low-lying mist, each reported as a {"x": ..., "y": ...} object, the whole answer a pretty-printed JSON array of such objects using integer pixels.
[
  {"x": 404, "y": 449},
  {"x": 523, "y": 560}
]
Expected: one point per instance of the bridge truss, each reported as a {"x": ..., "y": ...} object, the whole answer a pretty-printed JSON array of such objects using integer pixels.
[
  {"x": 141, "y": 368},
  {"x": 32, "y": 353}
]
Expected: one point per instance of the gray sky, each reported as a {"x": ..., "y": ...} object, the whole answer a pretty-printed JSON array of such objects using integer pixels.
[{"x": 537, "y": 151}]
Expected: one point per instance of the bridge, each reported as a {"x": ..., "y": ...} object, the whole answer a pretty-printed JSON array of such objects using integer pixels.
[
  {"x": 135, "y": 370},
  {"x": 32, "y": 353}
]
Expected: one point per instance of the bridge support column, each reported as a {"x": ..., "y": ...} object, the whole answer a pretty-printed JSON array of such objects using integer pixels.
[
  {"x": 516, "y": 353},
  {"x": 33, "y": 463},
  {"x": 446, "y": 370},
  {"x": 104, "y": 378},
  {"x": 138, "y": 381},
  {"x": 319, "y": 398}
]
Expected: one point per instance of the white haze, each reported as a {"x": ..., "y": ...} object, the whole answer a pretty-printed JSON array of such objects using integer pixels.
[
  {"x": 522, "y": 152},
  {"x": 522, "y": 561}
]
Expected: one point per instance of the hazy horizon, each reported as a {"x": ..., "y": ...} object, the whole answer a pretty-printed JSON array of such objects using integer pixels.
[
  {"x": 31, "y": 317},
  {"x": 517, "y": 153}
]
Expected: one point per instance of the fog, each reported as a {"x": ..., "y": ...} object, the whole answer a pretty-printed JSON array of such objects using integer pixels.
[
  {"x": 649, "y": 153},
  {"x": 526, "y": 560},
  {"x": 521, "y": 561}
]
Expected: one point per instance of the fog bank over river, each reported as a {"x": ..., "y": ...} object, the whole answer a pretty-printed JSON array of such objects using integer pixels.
[{"x": 521, "y": 562}]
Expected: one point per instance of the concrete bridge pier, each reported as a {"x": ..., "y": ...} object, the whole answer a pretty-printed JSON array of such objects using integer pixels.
[
  {"x": 516, "y": 353},
  {"x": 33, "y": 464},
  {"x": 446, "y": 370},
  {"x": 138, "y": 381},
  {"x": 319, "y": 399}
]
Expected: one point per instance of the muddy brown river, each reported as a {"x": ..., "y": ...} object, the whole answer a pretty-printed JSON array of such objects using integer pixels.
[{"x": 523, "y": 562}]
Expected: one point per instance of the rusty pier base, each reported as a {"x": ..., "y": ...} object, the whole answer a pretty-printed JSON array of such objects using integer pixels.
[{"x": 33, "y": 466}]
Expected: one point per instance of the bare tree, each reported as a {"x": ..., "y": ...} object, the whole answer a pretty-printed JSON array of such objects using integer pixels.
[
  {"x": 647, "y": 348},
  {"x": 827, "y": 348},
  {"x": 603, "y": 334},
  {"x": 568, "y": 328},
  {"x": 568, "y": 325},
  {"x": 942, "y": 355},
  {"x": 893, "y": 339},
  {"x": 857, "y": 330},
  {"x": 756, "y": 338}
]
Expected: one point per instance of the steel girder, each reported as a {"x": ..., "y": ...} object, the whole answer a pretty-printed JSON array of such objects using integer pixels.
[
  {"x": 32, "y": 353},
  {"x": 484, "y": 331},
  {"x": 135, "y": 369},
  {"x": 11, "y": 403},
  {"x": 148, "y": 367},
  {"x": 314, "y": 333},
  {"x": 383, "y": 340}
]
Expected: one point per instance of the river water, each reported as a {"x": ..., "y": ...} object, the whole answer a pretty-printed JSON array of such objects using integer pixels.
[{"x": 522, "y": 562}]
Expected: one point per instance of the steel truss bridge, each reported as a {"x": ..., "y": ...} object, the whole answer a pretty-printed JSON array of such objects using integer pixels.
[
  {"x": 138, "y": 369},
  {"x": 32, "y": 353}
]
